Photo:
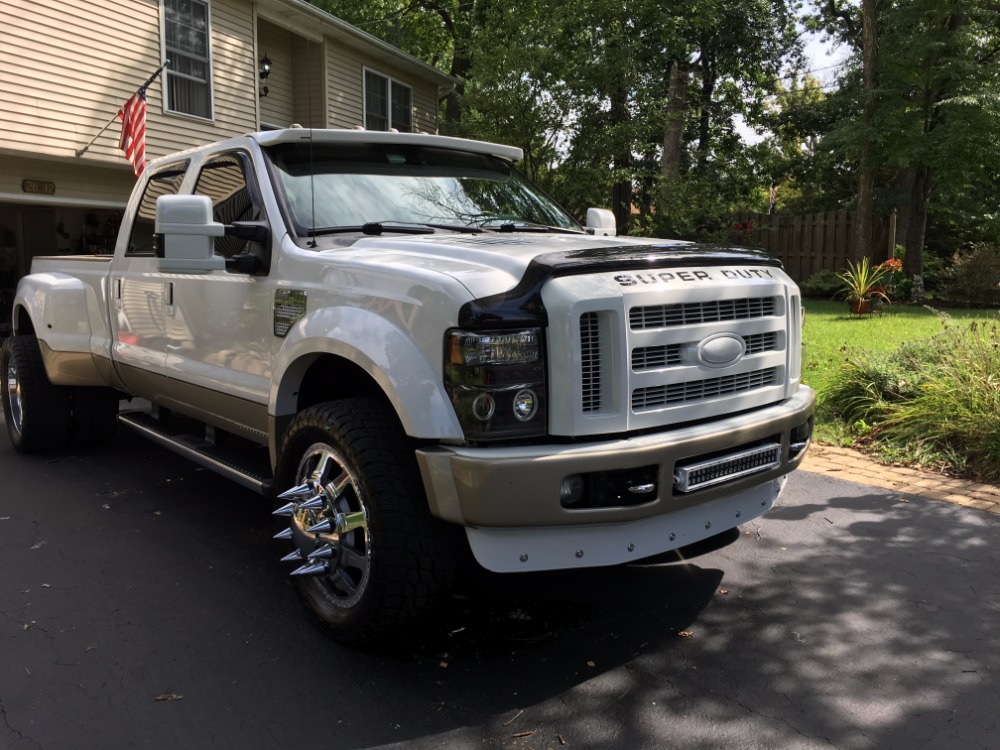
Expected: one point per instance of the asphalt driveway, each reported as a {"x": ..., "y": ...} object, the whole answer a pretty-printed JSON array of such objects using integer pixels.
[{"x": 142, "y": 606}]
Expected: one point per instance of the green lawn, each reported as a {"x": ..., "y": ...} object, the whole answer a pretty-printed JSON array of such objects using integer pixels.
[{"x": 831, "y": 332}]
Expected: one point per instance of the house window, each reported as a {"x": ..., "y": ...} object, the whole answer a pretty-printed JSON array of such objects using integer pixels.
[
  {"x": 388, "y": 104},
  {"x": 186, "y": 30}
]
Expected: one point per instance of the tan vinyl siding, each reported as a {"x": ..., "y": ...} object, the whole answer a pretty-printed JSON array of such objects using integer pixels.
[
  {"x": 234, "y": 71},
  {"x": 73, "y": 182},
  {"x": 67, "y": 67},
  {"x": 425, "y": 107},
  {"x": 345, "y": 89},
  {"x": 277, "y": 107},
  {"x": 310, "y": 81}
]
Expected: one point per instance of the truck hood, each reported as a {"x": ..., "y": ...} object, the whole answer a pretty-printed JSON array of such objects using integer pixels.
[{"x": 520, "y": 262}]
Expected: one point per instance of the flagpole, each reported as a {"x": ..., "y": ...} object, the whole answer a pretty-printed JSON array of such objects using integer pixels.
[{"x": 149, "y": 81}]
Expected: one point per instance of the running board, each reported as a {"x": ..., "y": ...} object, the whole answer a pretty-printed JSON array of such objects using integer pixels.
[{"x": 235, "y": 465}]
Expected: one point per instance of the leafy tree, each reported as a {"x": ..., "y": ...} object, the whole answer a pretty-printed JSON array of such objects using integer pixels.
[{"x": 937, "y": 121}]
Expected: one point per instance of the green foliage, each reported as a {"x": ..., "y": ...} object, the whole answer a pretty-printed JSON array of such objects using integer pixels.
[
  {"x": 582, "y": 87},
  {"x": 863, "y": 281},
  {"x": 973, "y": 276},
  {"x": 938, "y": 397},
  {"x": 823, "y": 284}
]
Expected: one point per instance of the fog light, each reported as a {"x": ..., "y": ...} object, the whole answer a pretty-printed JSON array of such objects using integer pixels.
[
  {"x": 525, "y": 405},
  {"x": 800, "y": 437},
  {"x": 483, "y": 407},
  {"x": 571, "y": 490}
]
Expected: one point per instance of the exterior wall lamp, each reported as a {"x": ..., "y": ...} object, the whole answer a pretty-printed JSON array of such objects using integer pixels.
[{"x": 264, "y": 71}]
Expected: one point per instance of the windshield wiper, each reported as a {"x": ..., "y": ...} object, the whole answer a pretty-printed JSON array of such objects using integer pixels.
[
  {"x": 544, "y": 228},
  {"x": 465, "y": 228},
  {"x": 375, "y": 228}
]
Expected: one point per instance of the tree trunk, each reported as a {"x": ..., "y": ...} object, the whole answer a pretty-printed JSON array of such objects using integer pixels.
[
  {"x": 866, "y": 167},
  {"x": 621, "y": 199},
  {"x": 673, "y": 132},
  {"x": 705, "y": 101},
  {"x": 913, "y": 263},
  {"x": 903, "y": 200},
  {"x": 460, "y": 65}
]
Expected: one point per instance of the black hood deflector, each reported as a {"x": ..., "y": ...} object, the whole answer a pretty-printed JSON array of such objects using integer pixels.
[{"x": 522, "y": 305}]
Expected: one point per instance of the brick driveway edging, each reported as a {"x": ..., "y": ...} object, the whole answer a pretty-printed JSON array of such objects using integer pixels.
[{"x": 854, "y": 466}]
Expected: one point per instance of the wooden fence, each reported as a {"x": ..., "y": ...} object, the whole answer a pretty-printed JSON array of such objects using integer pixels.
[{"x": 808, "y": 243}]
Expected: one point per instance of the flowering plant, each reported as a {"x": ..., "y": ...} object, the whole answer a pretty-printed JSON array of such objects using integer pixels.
[
  {"x": 744, "y": 232},
  {"x": 864, "y": 282},
  {"x": 893, "y": 269}
]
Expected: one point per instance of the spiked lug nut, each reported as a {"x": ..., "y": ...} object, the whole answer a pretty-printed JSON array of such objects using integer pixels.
[
  {"x": 323, "y": 527},
  {"x": 296, "y": 493},
  {"x": 293, "y": 556},
  {"x": 322, "y": 553},
  {"x": 284, "y": 534},
  {"x": 310, "y": 569},
  {"x": 285, "y": 510},
  {"x": 313, "y": 503}
]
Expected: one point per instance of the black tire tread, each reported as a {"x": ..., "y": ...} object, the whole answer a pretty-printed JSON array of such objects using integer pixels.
[
  {"x": 45, "y": 407},
  {"x": 414, "y": 554}
]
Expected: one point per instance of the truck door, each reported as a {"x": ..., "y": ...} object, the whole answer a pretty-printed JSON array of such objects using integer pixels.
[
  {"x": 219, "y": 328},
  {"x": 138, "y": 304}
]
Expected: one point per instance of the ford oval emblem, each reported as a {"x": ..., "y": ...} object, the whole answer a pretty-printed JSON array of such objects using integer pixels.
[{"x": 721, "y": 350}]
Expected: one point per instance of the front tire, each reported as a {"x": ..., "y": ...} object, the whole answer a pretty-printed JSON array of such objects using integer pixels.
[
  {"x": 370, "y": 556},
  {"x": 37, "y": 413}
]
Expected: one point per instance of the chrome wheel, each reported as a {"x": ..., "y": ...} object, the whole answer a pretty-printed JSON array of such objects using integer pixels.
[
  {"x": 328, "y": 526},
  {"x": 14, "y": 396},
  {"x": 369, "y": 556}
]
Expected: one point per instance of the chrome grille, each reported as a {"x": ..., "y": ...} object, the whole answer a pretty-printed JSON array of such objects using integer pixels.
[
  {"x": 690, "y": 313},
  {"x": 590, "y": 359},
  {"x": 654, "y": 357},
  {"x": 761, "y": 342},
  {"x": 669, "y": 355},
  {"x": 700, "y": 390}
]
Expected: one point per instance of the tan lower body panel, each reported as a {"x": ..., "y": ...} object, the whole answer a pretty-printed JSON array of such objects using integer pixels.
[
  {"x": 520, "y": 486},
  {"x": 236, "y": 415}
]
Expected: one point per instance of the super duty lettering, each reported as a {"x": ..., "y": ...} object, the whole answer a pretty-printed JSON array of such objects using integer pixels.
[
  {"x": 668, "y": 276},
  {"x": 374, "y": 330}
]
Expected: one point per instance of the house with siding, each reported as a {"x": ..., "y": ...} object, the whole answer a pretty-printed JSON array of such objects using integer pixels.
[{"x": 236, "y": 66}]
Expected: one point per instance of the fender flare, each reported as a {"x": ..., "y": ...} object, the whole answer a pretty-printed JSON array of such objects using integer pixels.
[
  {"x": 383, "y": 350},
  {"x": 60, "y": 306}
]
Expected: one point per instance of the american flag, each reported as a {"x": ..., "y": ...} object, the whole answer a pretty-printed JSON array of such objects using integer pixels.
[{"x": 133, "y": 140}]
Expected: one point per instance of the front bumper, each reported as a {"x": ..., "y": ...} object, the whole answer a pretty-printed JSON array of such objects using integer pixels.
[
  {"x": 507, "y": 550},
  {"x": 519, "y": 487}
]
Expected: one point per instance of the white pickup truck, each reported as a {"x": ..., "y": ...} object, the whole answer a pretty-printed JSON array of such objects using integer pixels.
[{"x": 417, "y": 352}]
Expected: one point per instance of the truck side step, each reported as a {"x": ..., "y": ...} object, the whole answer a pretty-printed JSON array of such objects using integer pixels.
[{"x": 236, "y": 465}]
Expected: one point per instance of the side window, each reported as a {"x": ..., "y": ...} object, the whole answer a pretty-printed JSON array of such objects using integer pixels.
[
  {"x": 187, "y": 44},
  {"x": 165, "y": 181},
  {"x": 223, "y": 179}
]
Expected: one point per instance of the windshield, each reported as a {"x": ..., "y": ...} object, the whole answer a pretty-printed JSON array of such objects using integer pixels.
[{"x": 330, "y": 186}]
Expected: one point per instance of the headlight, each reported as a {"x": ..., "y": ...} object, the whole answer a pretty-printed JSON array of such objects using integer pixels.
[{"x": 496, "y": 381}]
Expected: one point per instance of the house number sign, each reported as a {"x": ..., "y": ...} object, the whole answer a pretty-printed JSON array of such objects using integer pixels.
[{"x": 40, "y": 187}]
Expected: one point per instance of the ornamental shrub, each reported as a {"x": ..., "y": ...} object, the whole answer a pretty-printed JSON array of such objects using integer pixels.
[
  {"x": 824, "y": 284},
  {"x": 973, "y": 277}
]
